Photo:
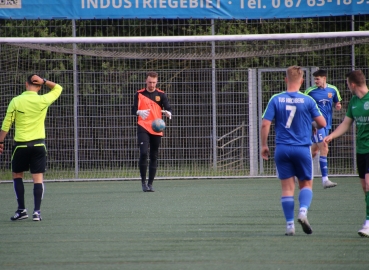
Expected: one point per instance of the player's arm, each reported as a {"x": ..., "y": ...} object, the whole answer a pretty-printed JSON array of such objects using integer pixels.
[
  {"x": 2, "y": 139},
  {"x": 319, "y": 122},
  {"x": 167, "y": 110},
  {"x": 135, "y": 105},
  {"x": 264, "y": 133},
  {"x": 338, "y": 105},
  {"x": 340, "y": 130}
]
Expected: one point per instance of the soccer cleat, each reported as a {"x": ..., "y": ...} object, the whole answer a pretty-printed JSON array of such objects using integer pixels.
[
  {"x": 328, "y": 184},
  {"x": 37, "y": 216},
  {"x": 151, "y": 188},
  {"x": 364, "y": 232},
  {"x": 145, "y": 188},
  {"x": 19, "y": 215},
  {"x": 302, "y": 219},
  {"x": 290, "y": 230}
]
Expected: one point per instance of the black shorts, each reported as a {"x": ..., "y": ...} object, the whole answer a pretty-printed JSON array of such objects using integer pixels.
[
  {"x": 29, "y": 156},
  {"x": 362, "y": 164}
]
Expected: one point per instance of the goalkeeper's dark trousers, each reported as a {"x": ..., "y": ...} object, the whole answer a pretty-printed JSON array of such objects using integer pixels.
[{"x": 146, "y": 141}]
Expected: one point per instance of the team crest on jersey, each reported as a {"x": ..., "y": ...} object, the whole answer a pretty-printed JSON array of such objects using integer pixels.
[
  {"x": 330, "y": 95},
  {"x": 366, "y": 105},
  {"x": 157, "y": 98}
]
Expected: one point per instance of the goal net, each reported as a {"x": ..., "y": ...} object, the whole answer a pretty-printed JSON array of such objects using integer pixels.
[{"x": 218, "y": 88}]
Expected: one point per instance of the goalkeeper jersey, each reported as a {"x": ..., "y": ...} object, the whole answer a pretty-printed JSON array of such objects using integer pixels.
[{"x": 28, "y": 111}]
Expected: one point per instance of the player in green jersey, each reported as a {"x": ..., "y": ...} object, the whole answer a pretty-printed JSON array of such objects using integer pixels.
[{"x": 358, "y": 111}]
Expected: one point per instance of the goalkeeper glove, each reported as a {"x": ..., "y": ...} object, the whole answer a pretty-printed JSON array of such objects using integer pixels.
[
  {"x": 143, "y": 113},
  {"x": 167, "y": 113}
]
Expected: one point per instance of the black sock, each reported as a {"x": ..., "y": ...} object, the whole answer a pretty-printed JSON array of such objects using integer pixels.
[
  {"x": 143, "y": 169},
  {"x": 19, "y": 192},
  {"x": 152, "y": 173},
  {"x": 38, "y": 190}
]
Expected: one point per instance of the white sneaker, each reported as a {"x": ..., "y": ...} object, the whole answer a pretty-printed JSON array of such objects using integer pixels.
[
  {"x": 302, "y": 219},
  {"x": 328, "y": 184},
  {"x": 290, "y": 230},
  {"x": 364, "y": 232}
]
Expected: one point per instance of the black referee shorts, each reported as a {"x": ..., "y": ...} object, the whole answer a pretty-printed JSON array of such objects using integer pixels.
[{"x": 29, "y": 156}]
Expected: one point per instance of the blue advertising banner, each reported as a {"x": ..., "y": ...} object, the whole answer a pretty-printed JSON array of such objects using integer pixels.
[{"x": 184, "y": 9}]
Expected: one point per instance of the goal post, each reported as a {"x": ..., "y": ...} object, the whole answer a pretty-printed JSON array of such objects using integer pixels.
[{"x": 91, "y": 134}]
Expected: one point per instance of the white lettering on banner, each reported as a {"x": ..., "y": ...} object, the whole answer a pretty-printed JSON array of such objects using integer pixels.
[
  {"x": 172, "y": 4},
  {"x": 104, "y": 4},
  {"x": 251, "y": 5},
  {"x": 128, "y": 4}
]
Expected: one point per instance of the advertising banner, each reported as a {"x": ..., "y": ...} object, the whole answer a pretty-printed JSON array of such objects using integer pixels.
[{"x": 183, "y": 9}]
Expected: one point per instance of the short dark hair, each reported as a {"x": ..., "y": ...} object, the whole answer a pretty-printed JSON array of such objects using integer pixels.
[
  {"x": 320, "y": 73},
  {"x": 152, "y": 74},
  {"x": 29, "y": 79},
  {"x": 357, "y": 77}
]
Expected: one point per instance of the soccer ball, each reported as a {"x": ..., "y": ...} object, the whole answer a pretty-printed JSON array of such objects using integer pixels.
[{"x": 158, "y": 125}]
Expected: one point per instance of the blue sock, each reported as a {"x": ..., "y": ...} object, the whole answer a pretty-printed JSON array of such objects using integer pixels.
[
  {"x": 323, "y": 162},
  {"x": 288, "y": 206},
  {"x": 305, "y": 197}
]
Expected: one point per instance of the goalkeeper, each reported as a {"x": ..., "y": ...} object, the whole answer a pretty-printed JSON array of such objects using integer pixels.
[
  {"x": 28, "y": 112},
  {"x": 149, "y": 103}
]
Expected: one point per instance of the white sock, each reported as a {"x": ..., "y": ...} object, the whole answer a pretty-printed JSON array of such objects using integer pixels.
[
  {"x": 303, "y": 210},
  {"x": 366, "y": 223},
  {"x": 290, "y": 224},
  {"x": 324, "y": 178}
]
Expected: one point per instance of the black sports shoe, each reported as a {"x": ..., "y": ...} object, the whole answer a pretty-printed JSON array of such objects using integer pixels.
[
  {"x": 145, "y": 188},
  {"x": 19, "y": 215},
  {"x": 151, "y": 188},
  {"x": 37, "y": 216}
]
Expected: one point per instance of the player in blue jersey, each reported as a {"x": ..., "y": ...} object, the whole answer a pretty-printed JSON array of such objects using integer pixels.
[
  {"x": 326, "y": 96},
  {"x": 292, "y": 112}
]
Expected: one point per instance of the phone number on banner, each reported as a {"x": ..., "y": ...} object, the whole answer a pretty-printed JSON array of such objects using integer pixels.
[{"x": 252, "y": 4}]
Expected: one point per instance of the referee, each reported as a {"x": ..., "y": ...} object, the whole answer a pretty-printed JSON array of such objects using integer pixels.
[
  {"x": 28, "y": 112},
  {"x": 148, "y": 104}
]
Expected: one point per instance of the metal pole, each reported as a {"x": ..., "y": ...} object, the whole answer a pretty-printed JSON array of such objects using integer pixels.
[
  {"x": 75, "y": 103},
  {"x": 214, "y": 100},
  {"x": 353, "y": 68}
]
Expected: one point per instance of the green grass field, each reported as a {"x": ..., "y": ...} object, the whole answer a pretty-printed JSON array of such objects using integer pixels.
[{"x": 185, "y": 224}]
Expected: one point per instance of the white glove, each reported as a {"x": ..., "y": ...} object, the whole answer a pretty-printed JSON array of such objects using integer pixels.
[
  {"x": 143, "y": 113},
  {"x": 167, "y": 113}
]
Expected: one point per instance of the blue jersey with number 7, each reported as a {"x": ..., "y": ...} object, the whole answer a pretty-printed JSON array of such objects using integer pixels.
[{"x": 292, "y": 112}]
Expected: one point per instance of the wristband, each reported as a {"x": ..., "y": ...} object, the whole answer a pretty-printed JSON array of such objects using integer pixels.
[{"x": 44, "y": 80}]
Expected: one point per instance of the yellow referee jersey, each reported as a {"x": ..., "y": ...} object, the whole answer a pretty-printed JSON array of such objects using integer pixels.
[{"x": 28, "y": 110}]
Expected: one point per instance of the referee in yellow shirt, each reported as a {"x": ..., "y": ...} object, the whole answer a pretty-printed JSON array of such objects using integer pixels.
[{"x": 28, "y": 112}]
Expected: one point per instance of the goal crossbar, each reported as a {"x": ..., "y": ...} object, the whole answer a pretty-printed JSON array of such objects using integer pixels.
[{"x": 205, "y": 38}]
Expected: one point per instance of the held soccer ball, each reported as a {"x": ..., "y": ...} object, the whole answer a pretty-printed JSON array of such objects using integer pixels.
[{"x": 158, "y": 125}]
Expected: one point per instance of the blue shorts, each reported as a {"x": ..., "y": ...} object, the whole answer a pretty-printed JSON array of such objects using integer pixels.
[
  {"x": 293, "y": 160},
  {"x": 320, "y": 135}
]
